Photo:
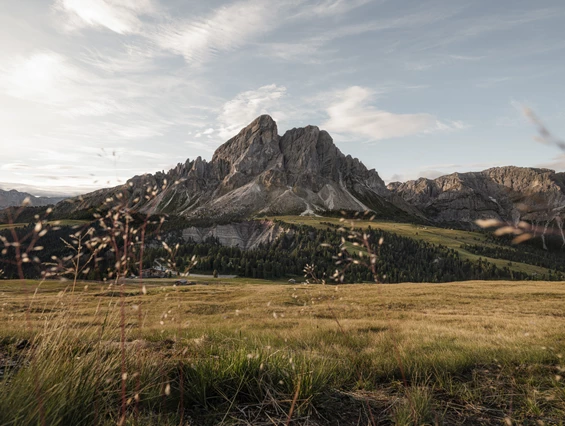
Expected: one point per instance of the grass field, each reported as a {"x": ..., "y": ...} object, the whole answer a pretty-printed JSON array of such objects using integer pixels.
[
  {"x": 452, "y": 238},
  {"x": 240, "y": 351}
]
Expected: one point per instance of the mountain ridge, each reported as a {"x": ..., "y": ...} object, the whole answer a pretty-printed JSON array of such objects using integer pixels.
[
  {"x": 506, "y": 193},
  {"x": 14, "y": 198},
  {"x": 258, "y": 172}
]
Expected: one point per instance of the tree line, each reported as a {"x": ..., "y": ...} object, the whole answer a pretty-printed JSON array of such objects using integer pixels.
[{"x": 400, "y": 259}]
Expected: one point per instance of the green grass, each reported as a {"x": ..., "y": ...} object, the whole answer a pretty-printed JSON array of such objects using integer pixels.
[
  {"x": 452, "y": 238},
  {"x": 240, "y": 351}
]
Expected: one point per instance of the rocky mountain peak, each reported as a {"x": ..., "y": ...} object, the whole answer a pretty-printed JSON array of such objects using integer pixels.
[
  {"x": 259, "y": 172},
  {"x": 260, "y": 135}
]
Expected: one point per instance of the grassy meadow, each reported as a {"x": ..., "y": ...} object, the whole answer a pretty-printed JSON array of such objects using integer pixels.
[{"x": 239, "y": 351}]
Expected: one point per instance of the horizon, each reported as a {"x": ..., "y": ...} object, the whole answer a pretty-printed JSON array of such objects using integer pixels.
[
  {"x": 71, "y": 192},
  {"x": 95, "y": 92}
]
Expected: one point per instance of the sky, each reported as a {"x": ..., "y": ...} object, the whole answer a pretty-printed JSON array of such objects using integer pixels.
[{"x": 93, "y": 92}]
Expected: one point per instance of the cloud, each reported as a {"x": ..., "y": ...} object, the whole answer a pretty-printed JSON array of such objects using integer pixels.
[
  {"x": 233, "y": 26},
  {"x": 15, "y": 166},
  {"x": 120, "y": 16},
  {"x": 225, "y": 29},
  {"x": 332, "y": 7},
  {"x": 200, "y": 147},
  {"x": 246, "y": 106},
  {"x": 352, "y": 113},
  {"x": 208, "y": 132},
  {"x": 320, "y": 48},
  {"x": 126, "y": 59},
  {"x": 491, "y": 82},
  {"x": 46, "y": 77},
  {"x": 475, "y": 27},
  {"x": 557, "y": 163}
]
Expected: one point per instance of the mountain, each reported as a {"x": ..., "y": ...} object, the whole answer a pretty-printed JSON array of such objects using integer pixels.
[
  {"x": 258, "y": 172},
  {"x": 506, "y": 193},
  {"x": 13, "y": 198}
]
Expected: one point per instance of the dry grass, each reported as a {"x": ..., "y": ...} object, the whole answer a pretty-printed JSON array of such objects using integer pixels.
[{"x": 457, "y": 353}]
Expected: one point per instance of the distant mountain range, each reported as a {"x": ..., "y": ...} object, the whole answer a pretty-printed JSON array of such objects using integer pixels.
[
  {"x": 258, "y": 173},
  {"x": 13, "y": 198},
  {"x": 507, "y": 193}
]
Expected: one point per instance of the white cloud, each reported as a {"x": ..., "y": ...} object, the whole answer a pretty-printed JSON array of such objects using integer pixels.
[
  {"x": 352, "y": 113},
  {"x": 127, "y": 58},
  {"x": 199, "y": 147},
  {"x": 332, "y": 7},
  {"x": 234, "y": 25},
  {"x": 225, "y": 29},
  {"x": 491, "y": 82},
  {"x": 44, "y": 76},
  {"x": 120, "y": 16},
  {"x": 247, "y": 106},
  {"x": 48, "y": 78},
  {"x": 15, "y": 166},
  {"x": 318, "y": 48}
]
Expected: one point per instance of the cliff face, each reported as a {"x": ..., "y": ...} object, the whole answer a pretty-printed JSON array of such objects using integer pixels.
[
  {"x": 260, "y": 172},
  {"x": 506, "y": 193},
  {"x": 245, "y": 235}
]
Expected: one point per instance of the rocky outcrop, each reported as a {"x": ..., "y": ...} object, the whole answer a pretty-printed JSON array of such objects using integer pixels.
[
  {"x": 13, "y": 198},
  {"x": 258, "y": 172},
  {"x": 504, "y": 193},
  {"x": 245, "y": 235}
]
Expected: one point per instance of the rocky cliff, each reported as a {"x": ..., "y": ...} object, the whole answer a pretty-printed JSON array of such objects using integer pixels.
[
  {"x": 245, "y": 235},
  {"x": 506, "y": 193},
  {"x": 258, "y": 172}
]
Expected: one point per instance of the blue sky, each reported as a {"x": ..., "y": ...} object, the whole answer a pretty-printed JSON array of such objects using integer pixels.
[{"x": 95, "y": 91}]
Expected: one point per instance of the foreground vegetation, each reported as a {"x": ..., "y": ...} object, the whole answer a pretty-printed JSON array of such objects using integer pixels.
[{"x": 257, "y": 352}]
